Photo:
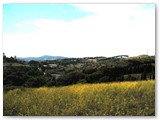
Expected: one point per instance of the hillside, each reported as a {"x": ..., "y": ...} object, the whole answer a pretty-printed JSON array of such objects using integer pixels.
[
  {"x": 41, "y": 58},
  {"x": 68, "y": 71},
  {"x": 114, "y": 99}
]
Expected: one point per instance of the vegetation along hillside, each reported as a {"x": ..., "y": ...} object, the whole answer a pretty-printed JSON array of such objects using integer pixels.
[
  {"x": 62, "y": 72},
  {"x": 111, "y": 99},
  {"x": 90, "y": 86}
]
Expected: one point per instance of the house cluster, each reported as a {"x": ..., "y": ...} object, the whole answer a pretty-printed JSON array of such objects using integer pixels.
[{"x": 119, "y": 56}]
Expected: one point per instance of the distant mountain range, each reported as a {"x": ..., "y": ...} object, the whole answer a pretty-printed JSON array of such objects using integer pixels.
[{"x": 41, "y": 58}]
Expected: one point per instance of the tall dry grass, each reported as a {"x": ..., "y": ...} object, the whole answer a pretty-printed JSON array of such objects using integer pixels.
[{"x": 111, "y": 99}]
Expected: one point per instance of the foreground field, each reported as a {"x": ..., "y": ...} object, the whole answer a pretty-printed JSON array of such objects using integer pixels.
[{"x": 113, "y": 99}]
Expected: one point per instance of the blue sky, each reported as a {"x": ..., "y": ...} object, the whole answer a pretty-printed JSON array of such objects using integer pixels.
[
  {"x": 148, "y": 6},
  {"x": 16, "y": 13},
  {"x": 78, "y": 30}
]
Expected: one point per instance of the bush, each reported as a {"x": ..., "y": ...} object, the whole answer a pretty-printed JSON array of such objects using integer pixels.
[
  {"x": 35, "y": 82},
  {"x": 104, "y": 79}
]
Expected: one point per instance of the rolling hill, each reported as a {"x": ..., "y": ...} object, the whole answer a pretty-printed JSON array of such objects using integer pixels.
[{"x": 41, "y": 58}]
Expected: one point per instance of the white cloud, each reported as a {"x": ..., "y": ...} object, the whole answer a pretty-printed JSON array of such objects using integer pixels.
[
  {"x": 18, "y": 25},
  {"x": 109, "y": 31}
]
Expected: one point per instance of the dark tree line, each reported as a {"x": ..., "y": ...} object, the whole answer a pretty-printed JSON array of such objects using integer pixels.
[{"x": 34, "y": 74}]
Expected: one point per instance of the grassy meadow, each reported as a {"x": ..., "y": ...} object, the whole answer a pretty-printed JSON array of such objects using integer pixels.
[{"x": 106, "y": 99}]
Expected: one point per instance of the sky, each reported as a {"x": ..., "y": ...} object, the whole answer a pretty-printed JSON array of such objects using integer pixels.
[{"x": 78, "y": 30}]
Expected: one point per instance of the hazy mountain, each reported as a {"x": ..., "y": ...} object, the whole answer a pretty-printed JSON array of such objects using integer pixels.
[{"x": 41, "y": 58}]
